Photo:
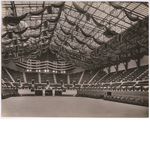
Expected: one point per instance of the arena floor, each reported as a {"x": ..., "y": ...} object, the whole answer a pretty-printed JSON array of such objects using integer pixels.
[{"x": 40, "y": 106}]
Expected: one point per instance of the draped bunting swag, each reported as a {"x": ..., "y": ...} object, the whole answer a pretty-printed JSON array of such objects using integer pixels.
[
  {"x": 130, "y": 17},
  {"x": 65, "y": 32},
  {"x": 108, "y": 33},
  {"x": 97, "y": 23},
  {"x": 12, "y": 21},
  {"x": 113, "y": 4},
  {"x": 44, "y": 33},
  {"x": 79, "y": 9},
  {"x": 119, "y": 37},
  {"x": 36, "y": 35},
  {"x": 56, "y": 19},
  {"x": 80, "y": 42},
  {"x": 85, "y": 34},
  {"x": 57, "y": 43},
  {"x": 74, "y": 48},
  {"x": 20, "y": 32}
]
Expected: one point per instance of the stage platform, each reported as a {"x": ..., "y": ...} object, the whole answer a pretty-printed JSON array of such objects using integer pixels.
[{"x": 27, "y": 92}]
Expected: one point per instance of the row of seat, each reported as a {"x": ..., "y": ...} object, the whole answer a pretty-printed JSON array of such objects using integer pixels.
[{"x": 101, "y": 77}]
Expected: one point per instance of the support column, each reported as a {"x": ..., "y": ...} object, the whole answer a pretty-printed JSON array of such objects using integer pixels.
[
  {"x": 39, "y": 77},
  {"x": 68, "y": 78},
  {"x": 24, "y": 77}
]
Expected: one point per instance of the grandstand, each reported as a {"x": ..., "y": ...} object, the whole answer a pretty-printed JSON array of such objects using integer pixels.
[{"x": 72, "y": 51}]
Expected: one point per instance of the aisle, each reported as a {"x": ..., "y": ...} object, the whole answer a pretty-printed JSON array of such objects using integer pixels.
[{"x": 68, "y": 107}]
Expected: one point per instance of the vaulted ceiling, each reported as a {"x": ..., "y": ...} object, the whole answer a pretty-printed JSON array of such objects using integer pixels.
[{"x": 87, "y": 34}]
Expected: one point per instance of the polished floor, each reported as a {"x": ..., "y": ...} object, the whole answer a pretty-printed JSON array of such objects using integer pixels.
[{"x": 44, "y": 106}]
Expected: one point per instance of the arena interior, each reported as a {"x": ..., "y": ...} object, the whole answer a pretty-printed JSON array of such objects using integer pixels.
[{"x": 75, "y": 59}]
